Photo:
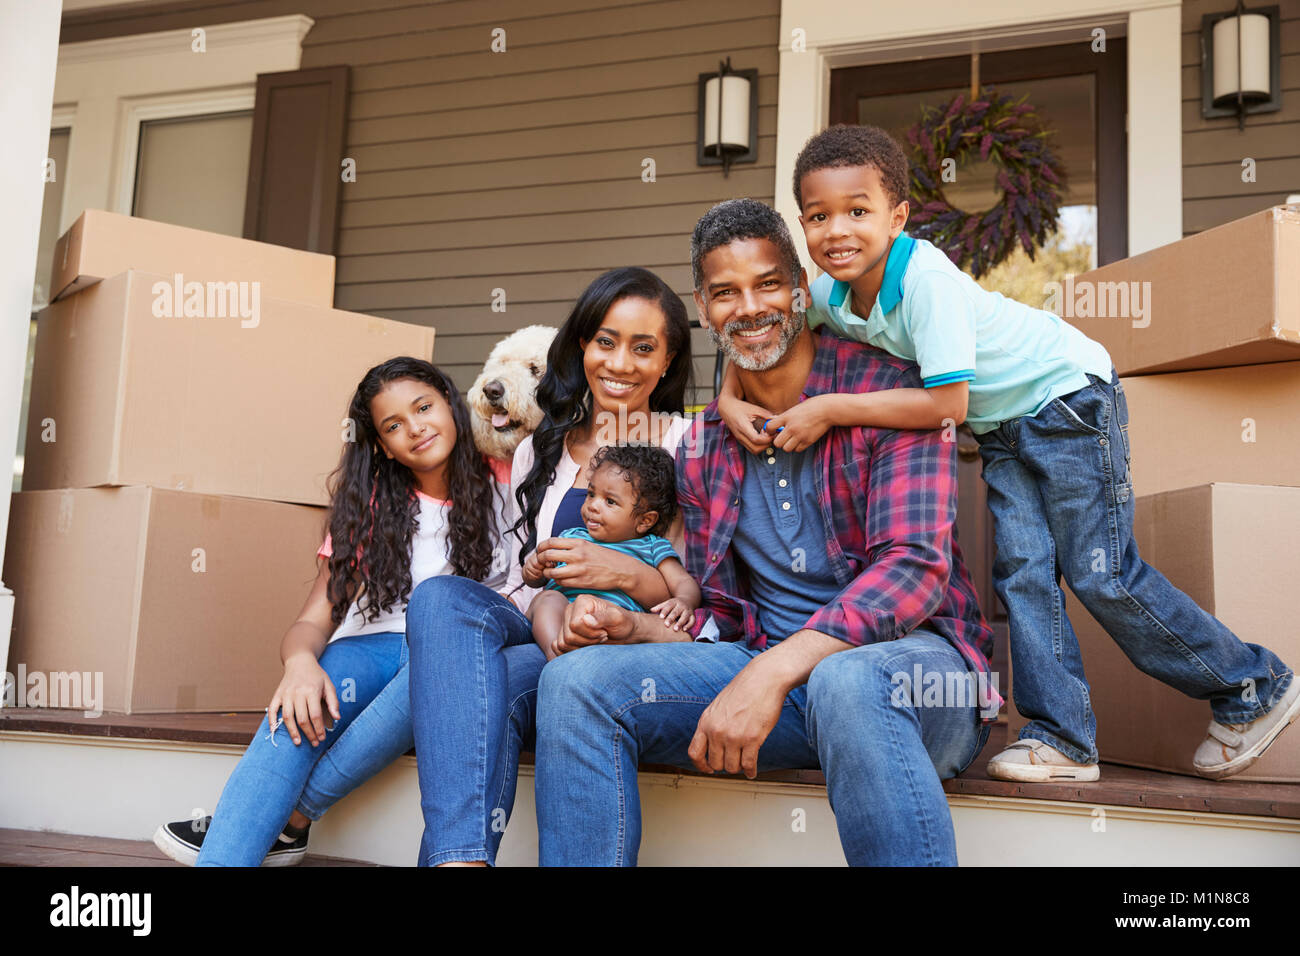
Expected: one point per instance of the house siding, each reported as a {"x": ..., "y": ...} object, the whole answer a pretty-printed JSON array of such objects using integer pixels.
[
  {"x": 519, "y": 170},
  {"x": 1213, "y": 150}
]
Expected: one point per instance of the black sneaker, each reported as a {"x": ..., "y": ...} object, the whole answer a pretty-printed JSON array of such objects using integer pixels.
[
  {"x": 289, "y": 847},
  {"x": 183, "y": 839}
]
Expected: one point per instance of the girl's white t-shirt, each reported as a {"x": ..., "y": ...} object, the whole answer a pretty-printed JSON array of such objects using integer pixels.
[{"x": 428, "y": 559}]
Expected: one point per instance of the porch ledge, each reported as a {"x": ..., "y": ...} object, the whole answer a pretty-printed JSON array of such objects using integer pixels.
[{"x": 1119, "y": 786}]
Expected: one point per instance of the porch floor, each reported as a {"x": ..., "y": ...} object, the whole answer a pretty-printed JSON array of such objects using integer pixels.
[
  {"x": 41, "y": 848},
  {"x": 1119, "y": 785}
]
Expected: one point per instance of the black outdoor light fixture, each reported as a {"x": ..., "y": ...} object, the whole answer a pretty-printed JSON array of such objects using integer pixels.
[
  {"x": 728, "y": 117},
  {"x": 1241, "y": 63}
]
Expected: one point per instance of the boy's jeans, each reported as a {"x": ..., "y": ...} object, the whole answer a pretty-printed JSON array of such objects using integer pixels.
[
  {"x": 369, "y": 673},
  {"x": 604, "y": 708},
  {"x": 1061, "y": 497},
  {"x": 474, "y": 671}
]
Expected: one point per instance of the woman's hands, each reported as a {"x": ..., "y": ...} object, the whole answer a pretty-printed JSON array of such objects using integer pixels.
[
  {"x": 586, "y": 564},
  {"x": 299, "y": 696}
]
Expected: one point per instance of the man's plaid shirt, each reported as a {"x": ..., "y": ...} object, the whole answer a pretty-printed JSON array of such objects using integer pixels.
[{"x": 889, "y": 507}]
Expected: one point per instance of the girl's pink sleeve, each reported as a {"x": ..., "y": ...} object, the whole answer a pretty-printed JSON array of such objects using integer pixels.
[
  {"x": 500, "y": 469},
  {"x": 326, "y": 549}
]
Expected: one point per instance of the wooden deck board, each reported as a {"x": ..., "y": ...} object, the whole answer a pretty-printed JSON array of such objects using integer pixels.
[{"x": 1118, "y": 786}]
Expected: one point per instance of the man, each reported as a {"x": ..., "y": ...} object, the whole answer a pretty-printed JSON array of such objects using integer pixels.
[{"x": 835, "y": 583}]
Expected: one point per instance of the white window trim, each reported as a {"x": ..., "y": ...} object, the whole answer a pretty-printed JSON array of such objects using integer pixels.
[
  {"x": 135, "y": 112},
  {"x": 63, "y": 117},
  {"x": 835, "y": 34},
  {"x": 104, "y": 89}
]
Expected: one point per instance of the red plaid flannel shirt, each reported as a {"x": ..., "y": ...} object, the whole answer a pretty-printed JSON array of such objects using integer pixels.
[{"x": 889, "y": 506}]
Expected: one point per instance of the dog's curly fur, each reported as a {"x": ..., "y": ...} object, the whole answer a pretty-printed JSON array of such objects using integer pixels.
[{"x": 516, "y": 365}]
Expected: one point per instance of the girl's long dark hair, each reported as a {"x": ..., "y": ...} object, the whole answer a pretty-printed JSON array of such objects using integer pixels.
[
  {"x": 374, "y": 509},
  {"x": 563, "y": 393}
]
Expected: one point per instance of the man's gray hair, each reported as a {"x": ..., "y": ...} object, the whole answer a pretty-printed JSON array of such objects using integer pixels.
[{"x": 741, "y": 219}]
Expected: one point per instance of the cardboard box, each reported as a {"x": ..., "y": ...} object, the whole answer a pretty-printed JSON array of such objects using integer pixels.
[
  {"x": 1234, "y": 424},
  {"x": 199, "y": 403},
  {"x": 102, "y": 244},
  {"x": 1233, "y": 549},
  {"x": 179, "y": 600},
  {"x": 1226, "y": 296}
]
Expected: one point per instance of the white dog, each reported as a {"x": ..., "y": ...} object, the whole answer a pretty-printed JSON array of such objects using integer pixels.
[{"x": 502, "y": 401}]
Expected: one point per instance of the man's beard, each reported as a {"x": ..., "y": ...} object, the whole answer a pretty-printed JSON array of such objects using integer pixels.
[{"x": 789, "y": 328}]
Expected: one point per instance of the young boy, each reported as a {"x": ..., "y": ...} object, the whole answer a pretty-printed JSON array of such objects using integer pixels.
[
  {"x": 631, "y": 501},
  {"x": 1050, "y": 416}
]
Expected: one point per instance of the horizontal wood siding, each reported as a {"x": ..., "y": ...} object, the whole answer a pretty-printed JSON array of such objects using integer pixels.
[
  {"x": 519, "y": 170},
  {"x": 1213, "y": 149}
]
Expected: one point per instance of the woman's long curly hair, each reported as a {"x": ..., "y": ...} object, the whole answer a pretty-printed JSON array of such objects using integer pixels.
[
  {"x": 563, "y": 393},
  {"x": 374, "y": 510}
]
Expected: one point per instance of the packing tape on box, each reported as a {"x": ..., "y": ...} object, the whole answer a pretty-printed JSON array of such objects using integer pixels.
[
  {"x": 210, "y": 506},
  {"x": 63, "y": 524}
]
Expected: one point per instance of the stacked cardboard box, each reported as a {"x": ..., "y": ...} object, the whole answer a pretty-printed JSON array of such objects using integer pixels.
[
  {"x": 1210, "y": 364},
  {"x": 188, "y": 400}
]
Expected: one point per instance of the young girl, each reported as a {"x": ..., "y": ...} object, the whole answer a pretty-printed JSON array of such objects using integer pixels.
[
  {"x": 345, "y": 691},
  {"x": 631, "y": 500}
]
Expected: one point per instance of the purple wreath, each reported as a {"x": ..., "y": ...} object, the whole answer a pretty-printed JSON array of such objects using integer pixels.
[{"x": 1031, "y": 179}]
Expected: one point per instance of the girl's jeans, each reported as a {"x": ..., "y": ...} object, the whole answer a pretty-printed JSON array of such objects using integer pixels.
[
  {"x": 474, "y": 672},
  {"x": 1062, "y": 502},
  {"x": 370, "y": 676}
]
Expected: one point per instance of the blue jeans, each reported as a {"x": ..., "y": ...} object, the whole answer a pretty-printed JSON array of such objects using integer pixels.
[
  {"x": 474, "y": 671},
  {"x": 882, "y": 752},
  {"x": 1062, "y": 502},
  {"x": 369, "y": 673}
]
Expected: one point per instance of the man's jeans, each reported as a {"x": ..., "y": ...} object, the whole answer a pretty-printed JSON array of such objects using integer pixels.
[
  {"x": 474, "y": 671},
  {"x": 1062, "y": 502},
  {"x": 369, "y": 673},
  {"x": 604, "y": 708}
]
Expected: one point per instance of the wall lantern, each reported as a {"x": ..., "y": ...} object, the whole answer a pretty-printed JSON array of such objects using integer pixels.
[
  {"x": 728, "y": 117},
  {"x": 1241, "y": 63}
]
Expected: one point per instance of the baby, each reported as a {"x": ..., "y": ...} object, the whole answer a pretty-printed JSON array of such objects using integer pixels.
[{"x": 631, "y": 502}]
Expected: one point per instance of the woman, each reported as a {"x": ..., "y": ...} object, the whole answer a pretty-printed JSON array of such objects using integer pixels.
[{"x": 617, "y": 371}]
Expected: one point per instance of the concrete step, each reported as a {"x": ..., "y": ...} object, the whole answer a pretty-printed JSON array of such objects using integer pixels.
[{"x": 66, "y": 780}]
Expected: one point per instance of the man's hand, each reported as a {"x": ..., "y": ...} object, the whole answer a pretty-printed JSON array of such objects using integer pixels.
[
  {"x": 589, "y": 620},
  {"x": 797, "y": 428},
  {"x": 732, "y": 728}
]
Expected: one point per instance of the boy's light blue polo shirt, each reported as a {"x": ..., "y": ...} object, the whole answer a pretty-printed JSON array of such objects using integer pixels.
[{"x": 1016, "y": 358}]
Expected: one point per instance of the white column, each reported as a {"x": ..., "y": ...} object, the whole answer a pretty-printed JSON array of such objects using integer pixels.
[
  {"x": 1155, "y": 128},
  {"x": 29, "y": 49},
  {"x": 802, "y": 106}
]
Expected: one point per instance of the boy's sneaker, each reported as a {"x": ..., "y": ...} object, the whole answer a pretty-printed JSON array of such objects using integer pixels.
[
  {"x": 1033, "y": 761},
  {"x": 1231, "y": 748},
  {"x": 183, "y": 839}
]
